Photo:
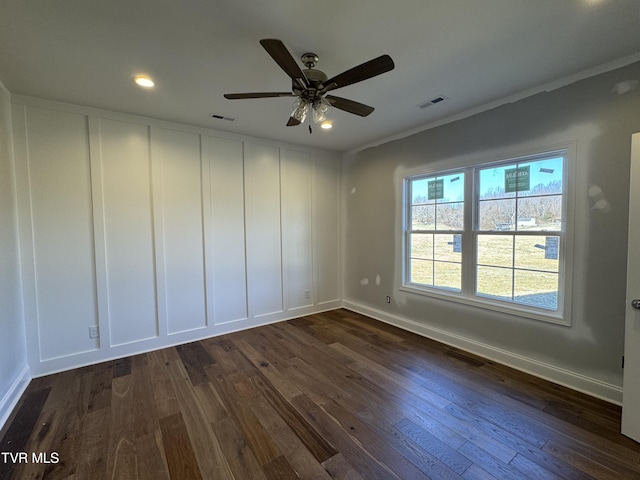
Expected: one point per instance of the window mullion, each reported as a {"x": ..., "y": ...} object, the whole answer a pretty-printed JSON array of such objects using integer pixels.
[{"x": 468, "y": 237}]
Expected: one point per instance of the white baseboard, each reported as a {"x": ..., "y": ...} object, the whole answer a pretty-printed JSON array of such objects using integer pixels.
[
  {"x": 10, "y": 400},
  {"x": 575, "y": 381}
]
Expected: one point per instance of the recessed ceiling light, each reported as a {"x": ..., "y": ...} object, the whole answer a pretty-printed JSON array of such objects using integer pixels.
[
  {"x": 144, "y": 81},
  {"x": 326, "y": 125}
]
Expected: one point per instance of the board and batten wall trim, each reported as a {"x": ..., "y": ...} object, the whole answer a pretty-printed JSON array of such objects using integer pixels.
[
  {"x": 14, "y": 368},
  {"x": 160, "y": 233}
]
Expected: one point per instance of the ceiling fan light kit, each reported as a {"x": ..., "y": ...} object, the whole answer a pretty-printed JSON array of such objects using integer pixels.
[
  {"x": 300, "y": 109},
  {"x": 311, "y": 86},
  {"x": 320, "y": 110}
]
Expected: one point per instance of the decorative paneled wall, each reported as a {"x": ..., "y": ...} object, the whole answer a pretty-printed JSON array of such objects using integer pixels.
[
  {"x": 160, "y": 234},
  {"x": 297, "y": 219},
  {"x": 54, "y": 189},
  {"x": 263, "y": 229},
  {"x": 227, "y": 272},
  {"x": 180, "y": 246},
  {"x": 127, "y": 215}
]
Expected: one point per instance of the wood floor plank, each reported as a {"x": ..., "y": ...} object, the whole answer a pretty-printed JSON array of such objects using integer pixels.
[
  {"x": 319, "y": 386},
  {"x": 269, "y": 341},
  {"x": 443, "y": 425},
  {"x": 241, "y": 460},
  {"x": 261, "y": 444},
  {"x": 374, "y": 444},
  {"x": 292, "y": 447},
  {"x": 361, "y": 460},
  {"x": 269, "y": 370},
  {"x": 476, "y": 402},
  {"x": 163, "y": 391},
  {"x": 591, "y": 461},
  {"x": 310, "y": 438},
  {"x": 177, "y": 446},
  {"x": 121, "y": 367},
  {"x": 93, "y": 457},
  {"x": 100, "y": 393},
  {"x": 210, "y": 402},
  {"x": 434, "y": 446},
  {"x": 440, "y": 462},
  {"x": 121, "y": 462},
  {"x": 20, "y": 431},
  {"x": 206, "y": 448},
  {"x": 58, "y": 430},
  {"x": 222, "y": 356},
  {"x": 382, "y": 375},
  {"x": 334, "y": 363},
  {"x": 279, "y": 469},
  {"x": 195, "y": 359},
  {"x": 152, "y": 462},
  {"x": 534, "y": 470},
  {"x": 474, "y": 472},
  {"x": 492, "y": 465},
  {"x": 335, "y": 395},
  {"x": 339, "y": 469},
  {"x": 144, "y": 405}
]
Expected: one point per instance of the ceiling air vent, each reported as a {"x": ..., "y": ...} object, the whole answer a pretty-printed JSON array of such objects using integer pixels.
[
  {"x": 433, "y": 101},
  {"x": 222, "y": 117}
]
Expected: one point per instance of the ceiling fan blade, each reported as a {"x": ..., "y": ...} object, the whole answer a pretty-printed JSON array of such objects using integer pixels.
[
  {"x": 366, "y": 70},
  {"x": 350, "y": 106},
  {"x": 293, "y": 122},
  {"x": 239, "y": 96},
  {"x": 283, "y": 58}
]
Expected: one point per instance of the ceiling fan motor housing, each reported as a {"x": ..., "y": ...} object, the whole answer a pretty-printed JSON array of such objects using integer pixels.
[{"x": 316, "y": 79}]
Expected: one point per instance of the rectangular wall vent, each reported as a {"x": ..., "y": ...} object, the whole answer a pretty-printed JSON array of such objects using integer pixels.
[
  {"x": 222, "y": 117},
  {"x": 433, "y": 101}
]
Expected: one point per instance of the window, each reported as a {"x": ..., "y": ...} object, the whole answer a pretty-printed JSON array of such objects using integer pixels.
[
  {"x": 492, "y": 234},
  {"x": 435, "y": 236}
]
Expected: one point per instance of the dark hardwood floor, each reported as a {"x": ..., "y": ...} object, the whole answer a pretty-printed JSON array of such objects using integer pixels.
[{"x": 334, "y": 395}]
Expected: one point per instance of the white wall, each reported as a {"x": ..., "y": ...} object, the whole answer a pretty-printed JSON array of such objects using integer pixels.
[
  {"x": 161, "y": 233},
  {"x": 14, "y": 373}
]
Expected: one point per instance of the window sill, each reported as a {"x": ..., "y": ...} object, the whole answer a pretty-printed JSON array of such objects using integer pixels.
[{"x": 487, "y": 304}]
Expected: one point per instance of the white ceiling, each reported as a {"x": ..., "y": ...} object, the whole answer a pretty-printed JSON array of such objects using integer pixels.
[{"x": 473, "y": 52}]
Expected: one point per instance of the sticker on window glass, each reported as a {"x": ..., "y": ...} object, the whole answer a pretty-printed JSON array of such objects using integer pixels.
[
  {"x": 435, "y": 189},
  {"x": 457, "y": 243},
  {"x": 516, "y": 179},
  {"x": 551, "y": 248}
]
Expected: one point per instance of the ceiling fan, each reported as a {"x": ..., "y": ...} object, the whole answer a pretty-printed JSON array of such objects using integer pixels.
[{"x": 311, "y": 85}]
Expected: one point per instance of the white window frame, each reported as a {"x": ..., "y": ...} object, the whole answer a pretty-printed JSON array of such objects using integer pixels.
[
  {"x": 471, "y": 168},
  {"x": 433, "y": 231}
]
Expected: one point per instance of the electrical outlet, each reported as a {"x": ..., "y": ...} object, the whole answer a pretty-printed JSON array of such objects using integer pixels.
[
  {"x": 94, "y": 331},
  {"x": 388, "y": 299},
  {"x": 307, "y": 294}
]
